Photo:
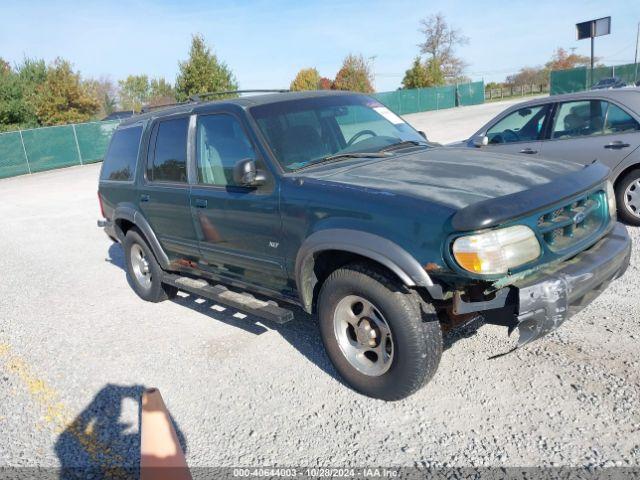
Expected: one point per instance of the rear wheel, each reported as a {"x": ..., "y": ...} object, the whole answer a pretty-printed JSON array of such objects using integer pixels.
[
  {"x": 383, "y": 340},
  {"x": 628, "y": 197},
  {"x": 143, "y": 270}
]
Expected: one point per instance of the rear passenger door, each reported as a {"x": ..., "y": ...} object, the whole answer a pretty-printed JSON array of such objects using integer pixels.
[
  {"x": 520, "y": 131},
  {"x": 164, "y": 191},
  {"x": 239, "y": 228},
  {"x": 586, "y": 130}
]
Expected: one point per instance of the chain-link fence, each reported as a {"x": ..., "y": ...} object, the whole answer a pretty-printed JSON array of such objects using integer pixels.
[
  {"x": 434, "y": 98},
  {"x": 39, "y": 149},
  {"x": 579, "y": 79}
]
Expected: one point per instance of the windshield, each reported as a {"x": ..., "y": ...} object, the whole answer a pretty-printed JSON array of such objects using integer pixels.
[{"x": 306, "y": 131}]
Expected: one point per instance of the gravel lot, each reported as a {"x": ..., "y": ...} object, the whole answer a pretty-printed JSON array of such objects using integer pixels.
[{"x": 77, "y": 346}]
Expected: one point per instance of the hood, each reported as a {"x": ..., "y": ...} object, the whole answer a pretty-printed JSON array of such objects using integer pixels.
[{"x": 454, "y": 177}]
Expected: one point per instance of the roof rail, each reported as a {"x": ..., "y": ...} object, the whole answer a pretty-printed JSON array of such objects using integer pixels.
[
  {"x": 199, "y": 97},
  {"x": 150, "y": 108}
]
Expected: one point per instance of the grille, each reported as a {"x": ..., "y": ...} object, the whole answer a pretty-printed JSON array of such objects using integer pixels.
[{"x": 569, "y": 225}]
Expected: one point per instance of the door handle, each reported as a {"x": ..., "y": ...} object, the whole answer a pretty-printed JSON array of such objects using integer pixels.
[
  {"x": 528, "y": 151},
  {"x": 144, "y": 197},
  {"x": 200, "y": 203},
  {"x": 616, "y": 145}
]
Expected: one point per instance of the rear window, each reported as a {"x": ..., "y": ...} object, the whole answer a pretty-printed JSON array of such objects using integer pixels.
[{"x": 121, "y": 158}]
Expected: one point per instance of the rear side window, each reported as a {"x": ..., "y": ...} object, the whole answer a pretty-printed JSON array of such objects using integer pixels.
[
  {"x": 169, "y": 162},
  {"x": 579, "y": 119},
  {"x": 619, "y": 121},
  {"x": 121, "y": 158}
]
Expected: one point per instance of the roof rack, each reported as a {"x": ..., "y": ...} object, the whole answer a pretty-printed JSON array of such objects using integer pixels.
[{"x": 199, "y": 97}]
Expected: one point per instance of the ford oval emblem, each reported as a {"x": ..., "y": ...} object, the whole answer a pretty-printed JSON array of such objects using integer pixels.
[{"x": 579, "y": 217}]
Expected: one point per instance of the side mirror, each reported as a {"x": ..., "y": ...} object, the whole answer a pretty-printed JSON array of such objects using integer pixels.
[
  {"x": 423, "y": 134},
  {"x": 480, "y": 141},
  {"x": 246, "y": 174}
]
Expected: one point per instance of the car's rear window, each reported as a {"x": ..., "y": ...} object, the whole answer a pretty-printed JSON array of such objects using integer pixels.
[{"x": 121, "y": 158}]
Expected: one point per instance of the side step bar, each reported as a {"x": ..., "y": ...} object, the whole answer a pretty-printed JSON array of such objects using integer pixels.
[{"x": 241, "y": 301}]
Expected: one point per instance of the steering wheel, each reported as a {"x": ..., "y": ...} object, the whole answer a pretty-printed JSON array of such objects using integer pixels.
[
  {"x": 360, "y": 134},
  {"x": 510, "y": 133}
]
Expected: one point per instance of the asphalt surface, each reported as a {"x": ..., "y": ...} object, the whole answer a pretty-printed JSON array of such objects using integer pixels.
[{"x": 77, "y": 347}]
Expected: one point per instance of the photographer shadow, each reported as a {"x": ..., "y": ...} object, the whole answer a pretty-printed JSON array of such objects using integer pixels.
[{"x": 99, "y": 444}]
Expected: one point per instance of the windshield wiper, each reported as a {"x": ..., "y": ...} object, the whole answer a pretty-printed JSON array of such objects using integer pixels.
[
  {"x": 339, "y": 156},
  {"x": 405, "y": 143}
]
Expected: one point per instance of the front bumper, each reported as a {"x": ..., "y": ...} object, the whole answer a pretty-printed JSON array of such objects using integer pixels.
[
  {"x": 541, "y": 302},
  {"x": 553, "y": 294}
]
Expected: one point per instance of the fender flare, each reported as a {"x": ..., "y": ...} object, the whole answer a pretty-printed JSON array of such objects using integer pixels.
[
  {"x": 129, "y": 213},
  {"x": 374, "y": 247}
]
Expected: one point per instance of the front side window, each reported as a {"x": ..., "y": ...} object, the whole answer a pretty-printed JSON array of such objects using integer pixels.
[
  {"x": 619, "y": 121},
  {"x": 304, "y": 132},
  {"x": 169, "y": 162},
  {"x": 579, "y": 119},
  {"x": 220, "y": 144},
  {"x": 121, "y": 158},
  {"x": 523, "y": 125}
]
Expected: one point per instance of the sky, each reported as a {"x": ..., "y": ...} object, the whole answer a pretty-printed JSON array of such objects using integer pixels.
[{"x": 266, "y": 42}]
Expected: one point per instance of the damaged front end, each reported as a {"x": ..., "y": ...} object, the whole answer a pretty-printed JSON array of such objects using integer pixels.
[{"x": 537, "y": 302}]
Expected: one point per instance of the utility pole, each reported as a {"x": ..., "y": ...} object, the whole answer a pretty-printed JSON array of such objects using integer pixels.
[
  {"x": 635, "y": 76},
  {"x": 591, "y": 74}
]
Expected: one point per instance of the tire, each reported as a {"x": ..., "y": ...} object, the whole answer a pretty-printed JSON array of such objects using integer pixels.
[
  {"x": 628, "y": 197},
  {"x": 413, "y": 350},
  {"x": 148, "y": 287}
]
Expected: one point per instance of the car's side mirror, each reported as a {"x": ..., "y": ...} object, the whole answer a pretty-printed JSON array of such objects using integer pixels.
[
  {"x": 480, "y": 141},
  {"x": 246, "y": 174},
  {"x": 424, "y": 135}
]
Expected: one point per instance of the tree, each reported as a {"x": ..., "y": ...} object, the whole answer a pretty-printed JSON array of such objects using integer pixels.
[
  {"x": 529, "y": 76},
  {"x": 62, "y": 98},
  {"x": 306, "y": 79},
  {"x": 354, "y": 75},
  {"x": 104, "y": 91},
  {"x": 416, "y": 76},
  {"x": 562, "y": 60},
  {"x": 202, "y": 72},
  {"x": 17, "y": 90},
  {"x": 161, "y": 92},
  {"x": 325, "y": 84},
  {"x": 439, "y": 44},
  {"x": 134, "y": 92}
]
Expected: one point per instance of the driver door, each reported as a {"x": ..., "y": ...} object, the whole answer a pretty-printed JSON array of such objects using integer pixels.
[{"x": 520, "y": 132}]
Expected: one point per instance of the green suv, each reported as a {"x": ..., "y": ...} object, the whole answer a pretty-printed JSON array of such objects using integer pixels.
[{"x": 331, "y": 202}]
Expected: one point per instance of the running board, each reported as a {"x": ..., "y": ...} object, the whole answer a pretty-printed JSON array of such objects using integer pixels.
[{"x": 241, "y": 301}]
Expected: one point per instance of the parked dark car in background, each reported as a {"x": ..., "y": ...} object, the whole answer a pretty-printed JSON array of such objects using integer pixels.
[
  {"x": 581, "y": 127},
  {"x": 120, "y": 115},
  {"x": 607, "y": 83}
]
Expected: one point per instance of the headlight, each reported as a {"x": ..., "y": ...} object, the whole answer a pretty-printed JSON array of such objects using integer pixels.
[
  {"x": 611, "y": 199},
  {"x": 496, "y": 251}
]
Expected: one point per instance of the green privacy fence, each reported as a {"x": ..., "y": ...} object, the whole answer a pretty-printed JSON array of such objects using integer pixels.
[
  {"x": 578, "y": 79},
  {"x": 47, "y": 148},
  {"x": 434, "y": 98},
  {"x": 39, "y": 149}
]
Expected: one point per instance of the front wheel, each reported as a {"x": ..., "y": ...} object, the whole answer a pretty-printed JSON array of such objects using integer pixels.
[
  {"x": 380, "y": 337},
  {"x": 628, "y": 197}
]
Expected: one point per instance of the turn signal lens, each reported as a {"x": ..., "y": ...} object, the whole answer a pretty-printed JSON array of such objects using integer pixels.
[
  {"x": 496, "y": 251},
  {"x": 611, "y": 199}
]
